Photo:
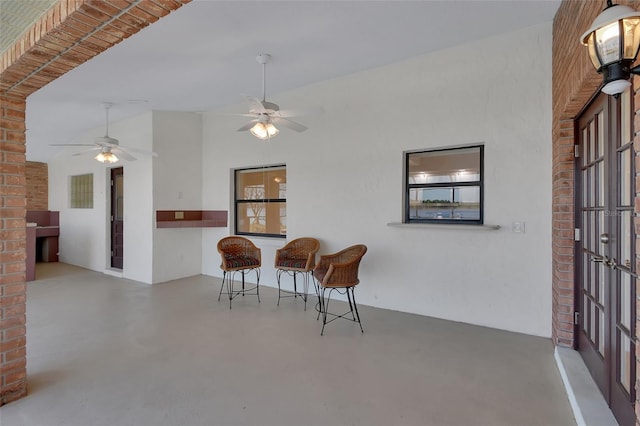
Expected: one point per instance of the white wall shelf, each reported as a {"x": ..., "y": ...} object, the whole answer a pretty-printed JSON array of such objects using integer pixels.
[{"x": 460, "y": 226}]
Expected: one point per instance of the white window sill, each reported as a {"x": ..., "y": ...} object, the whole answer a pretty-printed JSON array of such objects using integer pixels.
[{"x": 460, "y": 226}]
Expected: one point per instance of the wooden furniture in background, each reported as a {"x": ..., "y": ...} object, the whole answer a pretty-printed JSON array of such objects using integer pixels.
[
  {"x": 191, "y": 218},
  {"x": 43, "y": 229}
]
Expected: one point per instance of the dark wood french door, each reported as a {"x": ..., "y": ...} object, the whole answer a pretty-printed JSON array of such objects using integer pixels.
[
  {"x": 605, "y": 250},
  {"x": 117, "y": 217}
]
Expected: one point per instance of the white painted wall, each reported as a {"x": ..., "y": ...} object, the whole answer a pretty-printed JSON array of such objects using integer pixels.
[
  {"x": 84, "y": 233},
  {"x": 345, "y": 183},
  {"x": 345, "y": 179},
  {"x": 138, "y": 199},
  {"x": 177, "y": 183}
]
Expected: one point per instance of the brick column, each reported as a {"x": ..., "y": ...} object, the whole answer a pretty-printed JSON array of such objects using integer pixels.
[
  {"x": 13, "y": 361},
  {"x": 37, "y": 185},
  {"x": 69, "y": 34},
  {"x": 574, "y": 82},
  {"x": 563, "y": 233}
]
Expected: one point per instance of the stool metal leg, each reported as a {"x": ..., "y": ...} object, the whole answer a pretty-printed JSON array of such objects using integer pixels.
[
  {"x": 278, "y": 274},
  {"x": 350, "y": 304},
  {"x": 224, "y": 274},
  {"x": 295, "y": 286},
  {"x": 295, "y": 293},
  {"x": 258, "y": 283},
  {"x": 353, "y": 294},
  {"x": 323, "y": 308},
  {"x": 318, "y": 287},
  {"x": 228, "y": 279},
  {"x": 230, "y": 287},
  {"x": 305, "y": 286}
]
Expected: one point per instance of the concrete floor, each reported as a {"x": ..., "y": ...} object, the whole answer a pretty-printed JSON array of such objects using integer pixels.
[{"x": 107, "y": 351}]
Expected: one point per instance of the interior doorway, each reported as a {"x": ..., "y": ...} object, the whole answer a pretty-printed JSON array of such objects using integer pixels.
[
  {"x": 117, "y": 217},
  {"x": 605, "y": 249}
]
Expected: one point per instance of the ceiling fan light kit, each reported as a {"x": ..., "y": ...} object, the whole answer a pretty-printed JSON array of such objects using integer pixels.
[
  {"x": 108, "y": 147},
  {"x": 266, "y": 115},
  {"x": 107, "y": 157},
  {"x": 264, "y": 131}
]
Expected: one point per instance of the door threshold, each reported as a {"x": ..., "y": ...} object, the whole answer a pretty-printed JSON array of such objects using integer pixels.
[
  {"x": 114, "y": 272},
  {"x": 588, "y": 404}
]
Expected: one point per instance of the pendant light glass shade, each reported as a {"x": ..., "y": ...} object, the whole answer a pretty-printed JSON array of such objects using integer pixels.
[
  {"x": 613, "y": 41},
  {"x": 107, "y": 157},
  {"x": 264, "y": 130}
]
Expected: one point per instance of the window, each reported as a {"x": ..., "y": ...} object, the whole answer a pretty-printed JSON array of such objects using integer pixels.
[
  {"x": 81, "y": 191},
  {"x": 444, "y": 186},
  {"x": 261, "y": 201}
]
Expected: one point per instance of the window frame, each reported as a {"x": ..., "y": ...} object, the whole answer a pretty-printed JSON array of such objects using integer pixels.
[
  {"x": 476, "y": 183},
  {"x": 238, "y": 203},
  {"x": 81, "y": 191}
]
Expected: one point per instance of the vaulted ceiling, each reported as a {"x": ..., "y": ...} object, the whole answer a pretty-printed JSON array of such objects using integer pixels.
[{"x": 202, "y": 56}]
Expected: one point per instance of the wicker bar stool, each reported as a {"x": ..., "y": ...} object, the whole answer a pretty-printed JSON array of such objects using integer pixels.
[
  {"x": 238, "y": 255},
  {"x": 296, "y": 257},
  {"x": 339, "y": 272}
]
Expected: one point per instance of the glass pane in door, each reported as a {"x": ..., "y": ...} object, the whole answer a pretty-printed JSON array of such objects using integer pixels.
[
  {"x": 601, "y": 334},
  {"x": 625, "y": 238},
  {"x": 592, "y": 320},
  {"x": 592, "y": 142},
  {"x": 625, "y": 177},
  {"x": 625, "y": 362},
  {"x": 625, "y": 118},
  {"x": 625, "y": 301},
  {"x": 600, "y": 135},
  {"x": 119, "y": 188}
]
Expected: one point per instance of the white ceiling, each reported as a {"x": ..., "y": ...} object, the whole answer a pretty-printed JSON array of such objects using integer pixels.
[{"x": 202, "y": 56}]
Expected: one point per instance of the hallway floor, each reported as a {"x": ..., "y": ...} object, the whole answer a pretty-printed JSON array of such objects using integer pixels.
[{"x": 108, "y": 351}]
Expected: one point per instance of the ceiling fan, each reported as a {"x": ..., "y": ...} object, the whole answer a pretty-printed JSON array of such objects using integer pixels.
[
  {"x": 109, "y": 149},
  {"x": 266, "y": 115}
]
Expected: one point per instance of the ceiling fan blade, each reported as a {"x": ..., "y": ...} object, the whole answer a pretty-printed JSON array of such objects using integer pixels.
[
  {"x": 138, "y": 151},
  {"x": 299, "y": 112},
  {"x": 238, "y": 114},
  {"x": 248, "y": 126},
  {"x": 288, "y": 123},
  {"x": 106, "y": 141},
  {"x": 87, "y": 151},
  {"x": 72, "y": 144},
  {"x": 123, "y": 154},
  {"x": 255, "y": 105}
]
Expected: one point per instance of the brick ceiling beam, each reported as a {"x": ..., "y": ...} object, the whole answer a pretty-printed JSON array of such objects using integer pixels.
[{"x": 71, "y": 33}]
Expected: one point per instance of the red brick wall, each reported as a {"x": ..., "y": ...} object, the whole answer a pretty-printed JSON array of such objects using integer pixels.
[
  {"x": 37, "y": 185},
  {"x": 575, "y": 81},
  {"x": 69, "y": 34},
  {"x": 12, "y": 249}
]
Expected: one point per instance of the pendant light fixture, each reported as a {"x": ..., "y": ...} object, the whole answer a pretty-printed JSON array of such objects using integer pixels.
[
  {"x": 613, "y": 41},
  {"x": 106, "y": 156},
  {"x": 264, "y": 128}
]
